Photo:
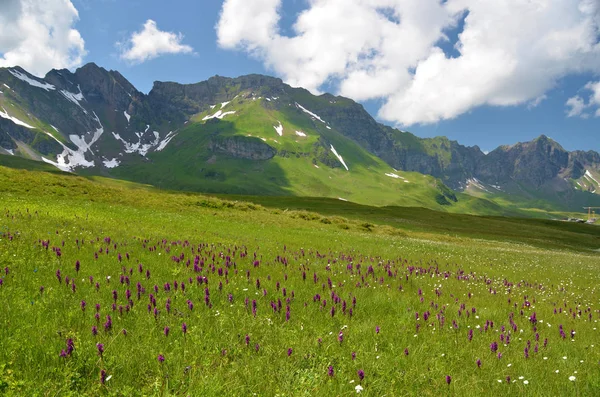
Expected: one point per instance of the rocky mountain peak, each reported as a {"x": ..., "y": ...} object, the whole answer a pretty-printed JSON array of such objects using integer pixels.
[{"x": 105, "y": 87}]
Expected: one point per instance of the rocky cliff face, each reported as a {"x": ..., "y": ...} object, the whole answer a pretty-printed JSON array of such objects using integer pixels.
[
  {"x": 174, "y": 101},
  {"x": 533, "y": 163},
  {"x": 242, "y": 147}
]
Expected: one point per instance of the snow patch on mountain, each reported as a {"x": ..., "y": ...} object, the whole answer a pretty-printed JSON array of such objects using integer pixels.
[
  {"x": 139, "y": 147},
  {"x": 339, "y": 157},
  {"x": 475, "y": 182},
  {"x": 70, "y": 159},
  {"x": 84, "y": 146},
  {"x": 15, "y": 120},
  {"x": 32, "y": 82},
  {"x": 310, "y": 113},
  {"x": 219, "y": 115},
  {"x": 75, "y": 98},
  {"x": 111, "y": 163},
  {"x": 392, "y": 175},
  {"x": 591, "y": 177},
  {"x": 279, "y": 128},
  {"x": 127, "y": 116},
  {"x": 300, "y": 133},
  {"x": 223, "y": 104},
  {"x": 163, "y": 144}
]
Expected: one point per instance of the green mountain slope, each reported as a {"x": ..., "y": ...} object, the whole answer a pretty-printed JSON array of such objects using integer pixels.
[{"x": 275, "y": 146}]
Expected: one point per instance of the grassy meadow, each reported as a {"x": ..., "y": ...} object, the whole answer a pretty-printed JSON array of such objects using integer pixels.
[{"x": 114, "y": 288}]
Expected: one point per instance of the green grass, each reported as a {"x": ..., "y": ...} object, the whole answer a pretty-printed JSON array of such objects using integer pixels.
[
  {"x": 304, "y": 166},
  {"x": 392, "y": 272}
]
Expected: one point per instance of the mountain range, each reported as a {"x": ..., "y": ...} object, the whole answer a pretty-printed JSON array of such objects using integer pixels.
[{"x": 255, "y": 135}]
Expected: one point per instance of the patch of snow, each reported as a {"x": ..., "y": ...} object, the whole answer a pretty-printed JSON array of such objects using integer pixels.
[
  {"x": 80, "y": 142},
  {"x": 111, "y": 163},
  {"x": 6, "y": 86},
  {"x": 405, "y": 181},
  {"x": 279, "y": 129},
  {"x": 127, "y": 116},
  {"x": 69, "y": 159},
  {"x": 392, "y": 175},
  {"x": 219, "y": 115},
  {"x": 475, "y": 182},
  {"x": 147, "y": 127},
  {"x": 275, "y": 98},
  {"x": 268, "y": 99},
  {"x": 316, "y": 166},
  {"x": 590, "y": 176},
  {"x": 138, "y": 147},
  {"x": 328, "y": 127},
  {"x": 339, "y": 157},
  {"x": 15, "y": 120},
  {"x": 263, "y": 139},
  {"x": 165, "y": 141},
  {"x": 223, "y": 104},
  {"x": 579, "y": 184},
  {"x": 30, "y": 81},
  {"x": 300, "y": 133},
  {"x": 212, "y": 106},
  {"x": 56, "y": 164},
  {"x": 343, "y": 199},
  {"x": 497, "y": 187},
  {"x": 310, "y": 113},
  {"x": 9, "y": 151},
  {"x": 75, "y": 98},
  {"x": 55, "y": 129}
]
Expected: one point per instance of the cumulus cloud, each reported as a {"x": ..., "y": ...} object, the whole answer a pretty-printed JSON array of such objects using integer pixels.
[
  {"x": 579, "y": 106},
  {"x": 38, "y": 35},
  {"x": 150, "y": 42},
  {"x": 509, "y": 52}
]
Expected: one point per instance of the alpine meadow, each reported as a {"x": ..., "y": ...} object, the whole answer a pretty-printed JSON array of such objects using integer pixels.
[{"x": 428, "y": 229}]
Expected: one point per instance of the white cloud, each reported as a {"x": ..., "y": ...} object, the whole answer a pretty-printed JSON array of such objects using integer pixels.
[
  {"x": 38, "y": 35},
  {"x": 510, "y": 52},
  {"x": 150, "y": 43},
  {"x": 582, "y": 107}
]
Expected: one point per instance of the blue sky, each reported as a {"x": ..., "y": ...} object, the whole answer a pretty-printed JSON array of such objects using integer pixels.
[{"x": 464, "y": 74}]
